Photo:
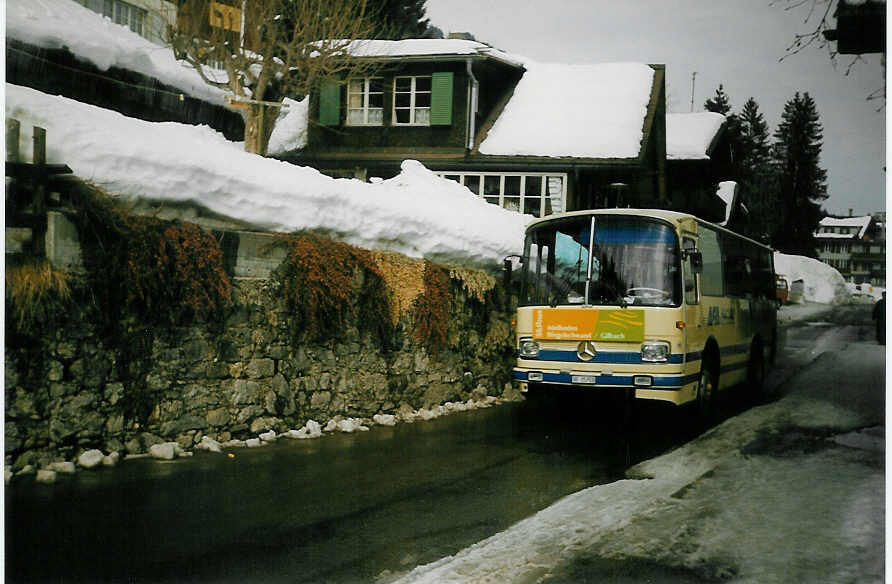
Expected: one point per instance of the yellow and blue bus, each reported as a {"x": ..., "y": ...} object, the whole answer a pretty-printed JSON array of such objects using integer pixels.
[{"x": 660, "y": 303}]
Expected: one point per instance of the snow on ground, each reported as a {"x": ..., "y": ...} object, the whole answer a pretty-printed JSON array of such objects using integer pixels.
[
  {"x": 56, "y": 24},
  {"x": 822, "y": 283},
  {"x": 812, "y": 514},
  {"x": 416, "y": 213}
]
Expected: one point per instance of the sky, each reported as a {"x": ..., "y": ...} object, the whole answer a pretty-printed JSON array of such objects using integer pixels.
[{"x": 732, "y": 42}]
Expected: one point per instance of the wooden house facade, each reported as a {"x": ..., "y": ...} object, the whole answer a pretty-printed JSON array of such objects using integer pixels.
[{"x": 469, "y": 113}]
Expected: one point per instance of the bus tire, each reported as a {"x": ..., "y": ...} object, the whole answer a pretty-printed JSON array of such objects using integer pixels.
[{"x": 706, "y": 388}]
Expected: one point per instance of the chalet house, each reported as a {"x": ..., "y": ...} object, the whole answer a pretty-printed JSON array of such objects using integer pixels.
[
  {"x": 147, "y": 18},
  {"x": 85, "y": 51},
  {"x": 536, "y": 138},
  {"x": 855, "y": 246}
]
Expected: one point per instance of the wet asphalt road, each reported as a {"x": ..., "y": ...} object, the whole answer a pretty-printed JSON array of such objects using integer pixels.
[{"x": 351, "y": 508}]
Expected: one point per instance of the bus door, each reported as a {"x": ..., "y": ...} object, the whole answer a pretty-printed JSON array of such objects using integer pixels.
[{"x": 690, "y": 267}]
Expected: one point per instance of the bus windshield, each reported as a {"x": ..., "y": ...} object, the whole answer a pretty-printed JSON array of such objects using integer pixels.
[{"x": 613, "y": 259}]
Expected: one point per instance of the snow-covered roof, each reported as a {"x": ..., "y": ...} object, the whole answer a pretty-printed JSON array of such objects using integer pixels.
[
  {"x": 579, "y": 111},
  {"x": 58, "y": 24},
  {"x": 408, "y": 48},
  {"x": 416, "y": 213},
  {"x": 861, "y": 223},
  {"x": 689, "y": 135}
]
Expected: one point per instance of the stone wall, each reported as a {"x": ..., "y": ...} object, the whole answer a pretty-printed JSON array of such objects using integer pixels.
[{"x": 74, "y": 389}]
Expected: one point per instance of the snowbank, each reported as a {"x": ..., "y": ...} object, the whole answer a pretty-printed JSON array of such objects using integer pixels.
[
  {"x": 290, "y": 131},
  {"x": 822, "y": 283},
  {"x": 864, "y": 292},
  {"x": 416, "y": 213}
]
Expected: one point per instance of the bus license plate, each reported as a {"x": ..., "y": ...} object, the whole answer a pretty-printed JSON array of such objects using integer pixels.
[{"x": 589, "y": 379}]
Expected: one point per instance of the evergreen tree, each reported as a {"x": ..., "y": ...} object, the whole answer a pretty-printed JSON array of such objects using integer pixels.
[
  {"x": 756, "y": 152},
  {"x": 719, "y": 103},
  {"x": 802, "y": 183},
  {"x": 757, "y": 173},
  {"x": 399, "y": 19}
]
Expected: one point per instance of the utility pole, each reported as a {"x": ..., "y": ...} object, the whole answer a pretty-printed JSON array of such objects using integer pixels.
[{"x": 693, "y": 83}]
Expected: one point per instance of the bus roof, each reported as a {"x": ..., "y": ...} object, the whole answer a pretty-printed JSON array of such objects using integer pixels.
[{"x": 674, "y": 217}]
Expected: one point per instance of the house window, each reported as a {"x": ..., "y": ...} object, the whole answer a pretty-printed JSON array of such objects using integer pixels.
[
  {"x": 536, "y": 194},
  {"x": 412, "y": 101},
  {"x": 365, "y": 102},
  {"x": 125, "y": 14}
]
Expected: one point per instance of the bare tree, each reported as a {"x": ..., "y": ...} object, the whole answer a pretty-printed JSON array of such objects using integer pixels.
[
  {"x": 819, "y": 17},
  {"x": 823, "y": 19},
  {"x": 263, "y": 50}
]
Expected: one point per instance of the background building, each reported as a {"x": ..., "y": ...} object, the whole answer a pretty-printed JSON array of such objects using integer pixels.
[{"x": 856, "y": 246}]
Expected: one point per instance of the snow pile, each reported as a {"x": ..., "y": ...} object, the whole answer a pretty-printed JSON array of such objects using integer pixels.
[
  {"x": 689, "y": 136},
  {"x": 57, "y": 24},
  {"x": 822, "y": 283},
  {"x": 290, "y": 131},
  {"x": 865, "y": 292},
  {"x": 727, "y": 192},
  {"x": 416, "y": 213},
  {"x": 583, "y": 111}
]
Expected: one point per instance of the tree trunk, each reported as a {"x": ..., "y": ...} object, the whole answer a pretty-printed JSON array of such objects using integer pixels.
[
  {"x": 253, "y": 134},
  {"x": 259, "y": 123}
]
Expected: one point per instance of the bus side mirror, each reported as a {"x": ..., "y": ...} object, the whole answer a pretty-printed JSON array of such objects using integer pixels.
[
  {"x": 506, "y": 274},
  {"x": 696, "y": 258},
  {"x": 508, "y": 266}
]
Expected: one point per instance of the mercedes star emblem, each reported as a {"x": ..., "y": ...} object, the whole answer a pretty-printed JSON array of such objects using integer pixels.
[{"x": 586, "y": 351}]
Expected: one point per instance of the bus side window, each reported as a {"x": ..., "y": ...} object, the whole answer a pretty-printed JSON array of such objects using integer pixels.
[
  {"x": 690, "y": 280},
  {"x": 712, "y": 278}
]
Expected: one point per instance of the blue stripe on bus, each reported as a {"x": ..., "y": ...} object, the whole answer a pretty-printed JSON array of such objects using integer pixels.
[
  {"x": 735, "y": 349},
  {"x": 624, "y": 357},
  {"x": 629, "y": 357},
  {"x": 734, "y": 367}
]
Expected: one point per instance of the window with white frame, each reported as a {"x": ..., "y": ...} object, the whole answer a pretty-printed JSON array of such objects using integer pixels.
[
  {"x": 365, "y": 102},
  {"x": 537, "y": 194},
  {"x": 126, "y": 14},
  {"x": 412, "y": 101}
]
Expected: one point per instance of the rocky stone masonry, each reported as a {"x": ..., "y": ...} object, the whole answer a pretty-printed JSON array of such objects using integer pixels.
[{"x": 68, "y": 396}]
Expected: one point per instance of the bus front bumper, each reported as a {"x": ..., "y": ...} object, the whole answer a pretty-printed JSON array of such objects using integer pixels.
[{"x": 675, "y": 388}]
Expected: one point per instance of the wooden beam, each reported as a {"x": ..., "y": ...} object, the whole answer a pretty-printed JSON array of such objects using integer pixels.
[{"x": 13, "y": 128}]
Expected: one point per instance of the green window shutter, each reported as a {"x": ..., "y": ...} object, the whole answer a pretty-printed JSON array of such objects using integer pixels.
[
  {"x": 330, "y": 103},
  {"x": 441, "y": 99}
]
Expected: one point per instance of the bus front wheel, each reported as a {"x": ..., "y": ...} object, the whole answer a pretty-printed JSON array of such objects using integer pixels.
[{"x": 705, "y": 393}]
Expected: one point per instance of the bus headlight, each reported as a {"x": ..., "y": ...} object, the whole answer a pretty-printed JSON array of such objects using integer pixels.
[
  {"x": 529, "y": 349},
  {"x": 655, "y": 351}
]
